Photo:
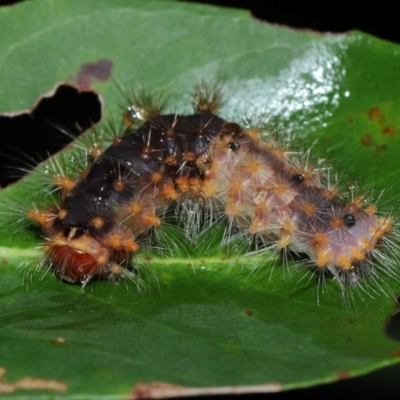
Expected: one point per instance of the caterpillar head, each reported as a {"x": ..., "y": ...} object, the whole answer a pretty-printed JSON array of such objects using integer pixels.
[
  {"x": 79, "y": 254},
  {"x": 76, "y": 256}
]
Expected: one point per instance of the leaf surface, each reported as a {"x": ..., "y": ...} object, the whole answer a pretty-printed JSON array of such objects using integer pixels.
[{"x": 201, "y": 320}]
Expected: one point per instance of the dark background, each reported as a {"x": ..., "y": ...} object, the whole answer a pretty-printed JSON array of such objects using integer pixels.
[{"x": 378, "y": 19}]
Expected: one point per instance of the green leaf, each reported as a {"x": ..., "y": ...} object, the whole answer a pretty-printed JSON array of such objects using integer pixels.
[{"x": 202, "y": 319}]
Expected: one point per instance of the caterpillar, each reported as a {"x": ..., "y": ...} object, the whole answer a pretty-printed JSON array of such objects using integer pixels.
[{"x": 232, "y": 171}]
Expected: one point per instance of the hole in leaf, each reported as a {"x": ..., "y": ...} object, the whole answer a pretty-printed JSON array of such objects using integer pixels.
[
  {"x": 29, "y": 138},
  {"x": 393, "y": 326}
]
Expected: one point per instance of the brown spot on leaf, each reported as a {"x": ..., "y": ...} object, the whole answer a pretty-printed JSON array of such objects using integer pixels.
[
  {"x": 375, "y": 114},
  {"x": 249, "y": 313},
  {"x": 28, "y": 383},
  {"x": 159, "y": 390},
  {"x": 366, "y": 140},
  {"x": 396, "y": 353},
  {"x": 389, "y": 130},
  {"x": 379, "y": 149},
  {"x": 344, "y": 375},
  {"x": 4, "y": 261},
  {"x": 99, "y": 70}
]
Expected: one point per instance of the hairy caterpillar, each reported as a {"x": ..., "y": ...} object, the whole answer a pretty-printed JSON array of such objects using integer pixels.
[{"x": 240, "y": 173}]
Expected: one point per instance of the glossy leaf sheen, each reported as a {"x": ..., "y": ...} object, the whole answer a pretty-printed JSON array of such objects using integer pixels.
[{"x": 213, "y": 324}]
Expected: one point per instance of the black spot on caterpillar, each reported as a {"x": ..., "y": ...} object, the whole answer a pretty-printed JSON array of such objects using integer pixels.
[{"x": 238, "y": 171}]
